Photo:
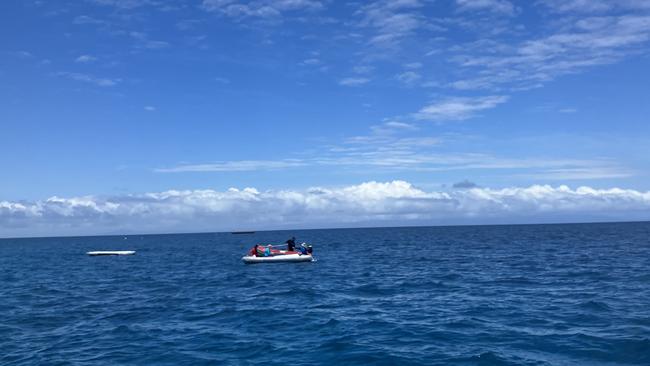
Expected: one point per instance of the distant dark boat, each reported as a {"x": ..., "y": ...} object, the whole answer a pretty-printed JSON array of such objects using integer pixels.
[{"x": 242, "y": 232}]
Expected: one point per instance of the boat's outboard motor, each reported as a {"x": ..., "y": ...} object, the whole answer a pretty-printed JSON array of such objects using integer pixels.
[{"x": 310, "y": 250}]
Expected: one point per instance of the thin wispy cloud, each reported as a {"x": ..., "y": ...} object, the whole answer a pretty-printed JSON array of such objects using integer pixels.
[
  {"x": 408, "y": 77},
  {"x": 565, "y": 174},
  {"x": 593, "y": 6},
  {"x": 21, "y": 54},
  {"x": 235, "y": 166},
  {"x": 124, "y": 4},
  {"x": 584, "y": 44},
  {"x": 311, "y": 61},
  {"x": 260, "y": 8},
  {"x": 390, "y": 21},
  {"x": 568, "y": 110},
  {"x": 458, "y": 108},
  {"x": 86, "y": 78},
  {"x": 143, "y": 41},
  {"x": 354, "y": 81},
  {"x": 85, "y": 59},
  {"x": 85, "y": 19},
  {"x": 496, "y": 6},
  {"x": 363, "y": 69}
]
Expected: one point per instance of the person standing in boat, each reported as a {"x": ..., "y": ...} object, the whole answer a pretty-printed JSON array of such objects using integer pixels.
[{"x": 291, "y": 244}]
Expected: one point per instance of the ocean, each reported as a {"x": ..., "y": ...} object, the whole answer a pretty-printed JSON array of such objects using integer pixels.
[{"x": 468, "y": 295}]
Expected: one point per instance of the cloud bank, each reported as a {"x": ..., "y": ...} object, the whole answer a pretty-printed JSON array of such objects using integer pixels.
[{"x": 367, "y": 204}]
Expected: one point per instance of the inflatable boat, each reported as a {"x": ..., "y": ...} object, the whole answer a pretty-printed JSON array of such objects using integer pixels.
[
  {"x": 269, "y": 254},
  {"x": 295, "y": 257}
]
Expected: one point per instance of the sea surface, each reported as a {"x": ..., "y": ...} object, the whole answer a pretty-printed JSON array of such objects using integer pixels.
[{"x": 473, "y": 295}]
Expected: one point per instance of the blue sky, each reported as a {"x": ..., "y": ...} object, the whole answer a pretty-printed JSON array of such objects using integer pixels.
[{"x": 115, "y": 99}]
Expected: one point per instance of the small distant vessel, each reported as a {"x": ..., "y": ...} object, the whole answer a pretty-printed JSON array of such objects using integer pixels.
[
  {"x": 242, "y": 232},
  {"x": 111, "y": 252},
  {"x": 267, "y": 254}
]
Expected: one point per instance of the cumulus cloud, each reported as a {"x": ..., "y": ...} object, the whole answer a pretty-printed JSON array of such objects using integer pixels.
[{"x": 387, "y": 203}]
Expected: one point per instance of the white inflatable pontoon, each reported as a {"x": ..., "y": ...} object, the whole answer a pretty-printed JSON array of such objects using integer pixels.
[
  {"x": 112, "y": 252},
  {"x": 250, "y": 259}
]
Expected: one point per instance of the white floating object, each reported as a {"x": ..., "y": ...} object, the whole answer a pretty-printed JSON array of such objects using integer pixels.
[
  {"x": 112, "y": 252},
  {"x": 250, "y": 259}
]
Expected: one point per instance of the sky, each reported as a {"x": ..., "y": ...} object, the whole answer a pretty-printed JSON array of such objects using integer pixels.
[{"x": 145, "y": 116}]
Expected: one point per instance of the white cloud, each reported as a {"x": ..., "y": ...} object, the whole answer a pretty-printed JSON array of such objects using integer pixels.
[
  {"x": 85, "y": 59},
  {"x": 370, "y": 203},
  {"x": 408, "y": 77},
  {"x": 582, "y": 43},
  {"x": 85, "y": 19},
  {"x": 580, "y": 173},
  {"x": 125, "y": 4},
  {"x": 235, "y": 166},
  {"x": 188, "y": 24},
  {"x": 458, "y": 108},
  {"x": 413, "y": 65},
  {"x": 567, "y": 110},
  {"x": 144, "y": 41},
  {"x": 311, "y": 61},
  {"x": 103, "y": 82},
  {"x": 363, "y": 69},
  {"x": 150, "y": 108},
  {"x": 594, "y": 6},
  {"x": 259, "y": 8},
  {"x": 354, "y": 81},
  {"x": 21, "y": 54},
  {"x": 496, "y": 6},
  {"x": 392, "y": 21}
]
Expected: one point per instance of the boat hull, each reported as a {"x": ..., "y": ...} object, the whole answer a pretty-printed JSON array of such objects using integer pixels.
[
  {"x": 250, "y": 259},
  {"x": 111, "y": 252}
]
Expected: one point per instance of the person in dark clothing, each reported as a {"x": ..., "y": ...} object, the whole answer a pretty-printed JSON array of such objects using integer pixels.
[{"x": 291, "y": 244}]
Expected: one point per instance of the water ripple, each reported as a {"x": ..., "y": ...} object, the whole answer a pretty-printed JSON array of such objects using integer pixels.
[{"x": 501, "y": 295}]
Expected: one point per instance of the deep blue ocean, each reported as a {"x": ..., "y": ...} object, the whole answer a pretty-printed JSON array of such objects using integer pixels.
[{"x": 474, "y": 295}]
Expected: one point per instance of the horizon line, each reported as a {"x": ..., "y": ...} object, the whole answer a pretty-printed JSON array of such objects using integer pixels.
[{"x": 330, "y": 228}]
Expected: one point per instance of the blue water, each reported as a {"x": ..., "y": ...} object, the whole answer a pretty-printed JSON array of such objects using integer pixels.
[{"x": 492, "y": 295}]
